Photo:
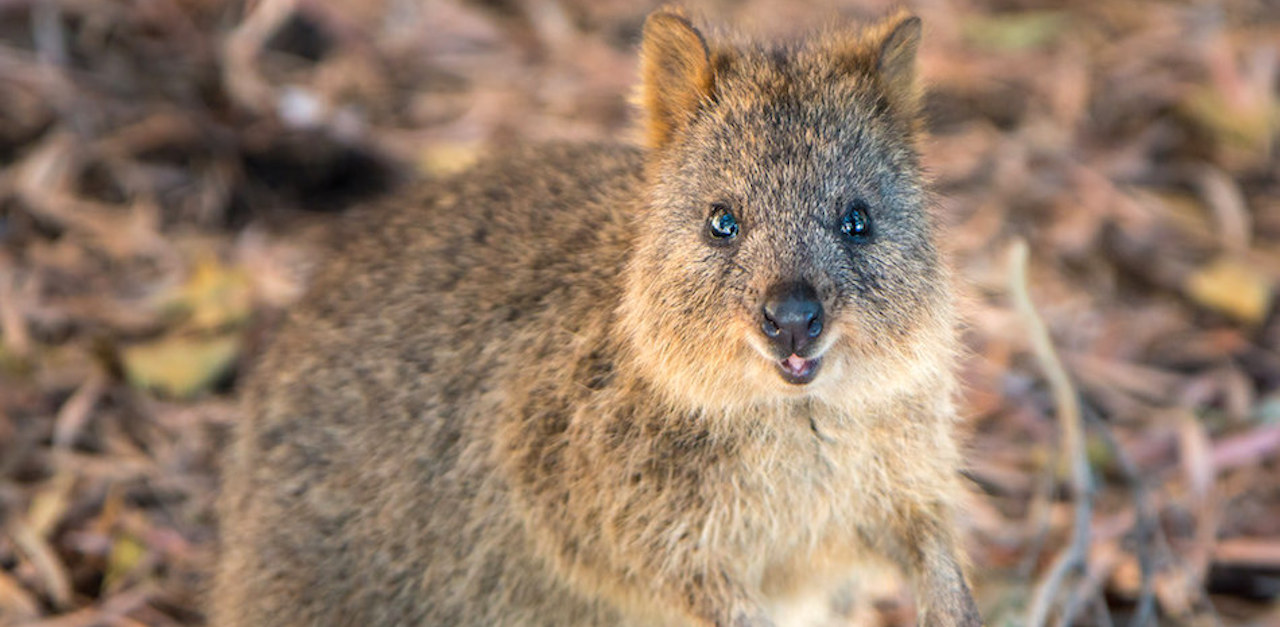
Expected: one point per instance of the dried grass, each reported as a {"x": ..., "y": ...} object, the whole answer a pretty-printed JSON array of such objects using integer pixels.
[{"x": 166, "y": 165}]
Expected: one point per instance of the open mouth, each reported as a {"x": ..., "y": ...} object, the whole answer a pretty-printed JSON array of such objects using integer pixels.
[{"x": 797, "y": 370}]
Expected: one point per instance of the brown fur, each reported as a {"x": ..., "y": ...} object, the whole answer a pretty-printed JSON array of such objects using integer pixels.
[{"x": 536, "y": 395}]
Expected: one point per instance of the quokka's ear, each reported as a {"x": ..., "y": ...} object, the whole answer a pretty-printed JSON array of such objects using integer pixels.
[
  {"x": 675, "y": 75},
  {"x": 895, "y": 42}
]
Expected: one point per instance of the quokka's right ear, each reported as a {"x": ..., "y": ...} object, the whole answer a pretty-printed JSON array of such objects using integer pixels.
[
  {"x": 896, "y": 61},
  {"x": 675, "y": 75}
]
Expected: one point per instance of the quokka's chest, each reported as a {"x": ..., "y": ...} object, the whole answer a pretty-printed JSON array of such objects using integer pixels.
[
  {"x": 800, "y": 516},
  {"x": 810, "y": 490}
]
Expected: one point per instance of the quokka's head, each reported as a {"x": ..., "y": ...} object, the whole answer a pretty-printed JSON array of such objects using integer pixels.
[{"x": 786, "y": 248}]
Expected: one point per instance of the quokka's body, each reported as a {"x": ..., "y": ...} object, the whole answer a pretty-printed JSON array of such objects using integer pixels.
[{"x": 604, "y": 385}]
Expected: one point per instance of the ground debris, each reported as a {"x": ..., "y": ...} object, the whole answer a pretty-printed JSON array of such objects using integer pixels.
[{"x": 167, "y": 167}]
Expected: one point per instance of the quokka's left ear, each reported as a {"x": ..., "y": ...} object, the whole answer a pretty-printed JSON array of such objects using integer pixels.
[{"x": 885, "y": 52}]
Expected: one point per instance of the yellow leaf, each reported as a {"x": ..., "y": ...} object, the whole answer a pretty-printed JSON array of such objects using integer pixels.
[
  {"x": 214, "y": 296},
  {"x": 126, "y": 555},
  {"x": 1247, "y": 127},
  {"x": 1233, "y": 288},
  {"x": 179, "y": 366},
  {"x": 445, "y": 158},
  {"x": 1015, "y": 31},
  {"x": 12, "y": 363}
]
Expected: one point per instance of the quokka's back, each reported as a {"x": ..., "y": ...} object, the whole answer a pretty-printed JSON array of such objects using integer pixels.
[{"x": 692, "y": 382}]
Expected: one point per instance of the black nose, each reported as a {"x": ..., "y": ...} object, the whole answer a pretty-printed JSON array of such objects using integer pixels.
[{"x": 792, "y": 316}]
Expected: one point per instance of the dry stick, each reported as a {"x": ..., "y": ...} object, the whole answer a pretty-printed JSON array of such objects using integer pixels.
[
  {"x": 49, "y": 568},
  {"x": 1101, "y": 613},
  {"x": 108, "y": 611},
  {"x": 15, "y": 338},
  {"x": 1145, "y": 525},
  {"x": 1039, "y": 514},
  {"x": 1086, "y": 592},
  {"x": 1068, "y": 409},
  {"x": 244, "y": 83},
  {"x": 1195, "y": 450}
]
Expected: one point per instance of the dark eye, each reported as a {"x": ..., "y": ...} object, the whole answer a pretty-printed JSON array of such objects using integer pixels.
[
  {"x": 722, "y": 225},
  {"x": 856, "y": 224}
]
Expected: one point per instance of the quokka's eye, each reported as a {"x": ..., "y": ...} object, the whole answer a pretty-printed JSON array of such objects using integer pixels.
[
  {"x": 856, "y": 223},
  {"x": 722, "y": 225}
]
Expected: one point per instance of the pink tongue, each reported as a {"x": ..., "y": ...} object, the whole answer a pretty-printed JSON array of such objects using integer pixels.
[{"x": 794, "y": 363}]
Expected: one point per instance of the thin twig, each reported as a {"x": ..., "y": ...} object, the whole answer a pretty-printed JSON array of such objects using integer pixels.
[
  {"x": 1039, "y": 513},
  {"x": 105, "y": 612},
  {"x": 1145, "y": 525},
  {"x": 1067, "y": 404},
  {"x": 1101, "y": 613},
  {"x": 75, "y": 412},
  {"x": 15, "y": 337},
  {"x": 48, "y": 566},
  {"x": 1088, "y": 587}
]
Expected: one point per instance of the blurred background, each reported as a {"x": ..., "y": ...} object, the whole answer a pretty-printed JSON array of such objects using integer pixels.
[{"x": 168, "y": 167}]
